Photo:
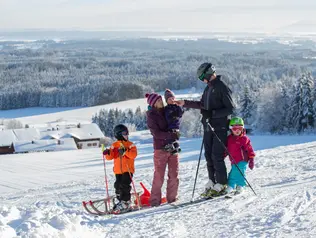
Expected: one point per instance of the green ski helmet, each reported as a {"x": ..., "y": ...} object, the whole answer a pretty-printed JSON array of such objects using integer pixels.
[
  {"x": 205, "y": 70},
  {"x": 236, "y": 121}
]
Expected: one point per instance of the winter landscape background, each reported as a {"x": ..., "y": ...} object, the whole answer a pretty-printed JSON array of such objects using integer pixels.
[
  {"x": 263, "y": 71},
  {"x": 73, "y": 79},
  {"x": 73, "y": 62}
]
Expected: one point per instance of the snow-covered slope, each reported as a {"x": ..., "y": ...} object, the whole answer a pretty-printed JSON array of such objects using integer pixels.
[
  {"x": 37, "y": 116},
  {"x": 41, "y": 195}
]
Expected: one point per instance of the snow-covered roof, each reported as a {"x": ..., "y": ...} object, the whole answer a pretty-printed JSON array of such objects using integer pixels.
[
  {"x": 85, "y": 132},
  {"x": 7, "y": 137},
  {"x": 26, "y": 134},
  {"x": 44, "y": 145}
]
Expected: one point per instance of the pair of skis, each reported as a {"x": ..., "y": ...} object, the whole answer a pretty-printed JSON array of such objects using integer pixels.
[{"x": 202, "y": 199}]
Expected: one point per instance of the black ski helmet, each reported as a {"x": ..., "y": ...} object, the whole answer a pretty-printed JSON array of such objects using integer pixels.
[
  {"x": 205, "y": 70},
  {"x": 118, "y": 130}
]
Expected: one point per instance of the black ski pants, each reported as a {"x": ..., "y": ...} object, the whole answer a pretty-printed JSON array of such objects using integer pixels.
[
  {"x": 214, "y": 153},
  {"x": 122, "y": 186}
]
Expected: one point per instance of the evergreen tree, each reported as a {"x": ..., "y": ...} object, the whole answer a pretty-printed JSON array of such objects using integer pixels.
[
  {"x": 295, "y": 108},
  {"x": 246, "y": 106},
  {"x": 307, "y": 115},
  {"x": 111, "y": 121},
  {"x": 284, "y": 113}
]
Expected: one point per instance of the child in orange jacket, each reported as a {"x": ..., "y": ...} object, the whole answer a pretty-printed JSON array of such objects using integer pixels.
[{"x": 124, "y": 153}]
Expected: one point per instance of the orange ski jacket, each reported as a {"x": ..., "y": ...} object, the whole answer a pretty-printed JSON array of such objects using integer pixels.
[{"x": 125, "y": 162}]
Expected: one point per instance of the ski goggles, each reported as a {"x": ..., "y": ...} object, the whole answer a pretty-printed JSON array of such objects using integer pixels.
[
  {"x": 202, "y": 77},
  {"x": 237, "y": 127},
  {"x": 124, "y": 133}
]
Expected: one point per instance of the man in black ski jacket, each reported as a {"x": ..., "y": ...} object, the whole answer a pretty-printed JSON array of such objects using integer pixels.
[{"x": 216, "y": 107}]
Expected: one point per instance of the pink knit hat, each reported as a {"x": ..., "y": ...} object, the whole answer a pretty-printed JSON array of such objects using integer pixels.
[
  {"x": 152, "y": 98},
  {"x": 168, "y": 94}
]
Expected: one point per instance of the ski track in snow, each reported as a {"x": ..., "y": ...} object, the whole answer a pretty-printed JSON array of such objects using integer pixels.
[{"x": 284, "y": 179}]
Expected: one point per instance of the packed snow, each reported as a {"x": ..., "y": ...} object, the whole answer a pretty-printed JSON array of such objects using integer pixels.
[{"x": 41, "y": 195}]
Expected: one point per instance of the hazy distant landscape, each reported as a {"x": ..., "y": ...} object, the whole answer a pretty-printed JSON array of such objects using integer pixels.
[{"x": 290, "y": 32}]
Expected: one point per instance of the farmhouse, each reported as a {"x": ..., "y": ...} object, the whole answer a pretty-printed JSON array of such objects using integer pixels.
[{"x": 52, "y": 138}]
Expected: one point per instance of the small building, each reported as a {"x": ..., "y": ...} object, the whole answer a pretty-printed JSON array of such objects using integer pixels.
[
  {"x": 81, "y": 136},
  {"x": 7, "y": 137},
  {"x": 85, "y": 135},
  {"x": 6, "y": 149}
]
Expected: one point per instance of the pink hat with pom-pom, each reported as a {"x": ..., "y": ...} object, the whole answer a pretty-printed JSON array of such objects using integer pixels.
[{"x": 152, "y": 98}]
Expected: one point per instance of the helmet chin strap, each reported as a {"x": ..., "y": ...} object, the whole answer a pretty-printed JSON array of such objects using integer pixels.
[{"x": 122, "y": 138}]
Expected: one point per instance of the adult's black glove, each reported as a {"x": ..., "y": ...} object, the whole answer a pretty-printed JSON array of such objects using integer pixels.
[{"x": 207, "y": 114}]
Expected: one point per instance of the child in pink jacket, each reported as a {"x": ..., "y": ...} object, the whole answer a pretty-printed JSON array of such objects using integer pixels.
[{"x": 242, "y": 154}]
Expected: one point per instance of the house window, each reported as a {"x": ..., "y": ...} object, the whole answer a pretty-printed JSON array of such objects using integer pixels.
[
  {"x": 94, "y": 144},
  {"x": 89, "y": 144}
]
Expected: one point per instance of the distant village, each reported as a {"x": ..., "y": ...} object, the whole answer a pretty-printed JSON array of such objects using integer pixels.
[{"x": 50, "y": 138}]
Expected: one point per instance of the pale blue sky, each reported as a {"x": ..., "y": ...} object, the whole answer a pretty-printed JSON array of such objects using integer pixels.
[{"x": 210, "y": 15}]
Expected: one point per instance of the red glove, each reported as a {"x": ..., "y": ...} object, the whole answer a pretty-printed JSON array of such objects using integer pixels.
[
  {"x": 115, "y": 153},
  {"x": 251, "y": 164},
  {"x": 106, "y": 152}
]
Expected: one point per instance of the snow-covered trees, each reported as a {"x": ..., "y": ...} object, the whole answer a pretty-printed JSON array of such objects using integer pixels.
[
  {"x": 266, "y": 83},
  {"x": 191, "y": 125},
  {"x": 286, "y": 106},
  {"x": 107, "y": 119},
  {"x": 247, "y": 105},
  {"x": 13, "y": 124},
  {"x": 303, "y": 103}
]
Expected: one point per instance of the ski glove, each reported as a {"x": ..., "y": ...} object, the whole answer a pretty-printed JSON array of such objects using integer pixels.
[
  {"x": 251, "y": 163},
  {"x": 207, "y": 114},
  {"x": 115, "y": 153},
  {"x": 106, "y": 152}
]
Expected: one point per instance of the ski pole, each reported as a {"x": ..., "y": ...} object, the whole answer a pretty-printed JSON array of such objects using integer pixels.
[
  {"x": 197, "y": 170},
  {"x": 106, "y": 179},
  {"x": 137, "y": 197},
  {"x": 213, "y": 131}
]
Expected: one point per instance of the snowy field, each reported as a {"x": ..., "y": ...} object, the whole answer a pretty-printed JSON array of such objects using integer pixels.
[{"x": 41, "y": 195}]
